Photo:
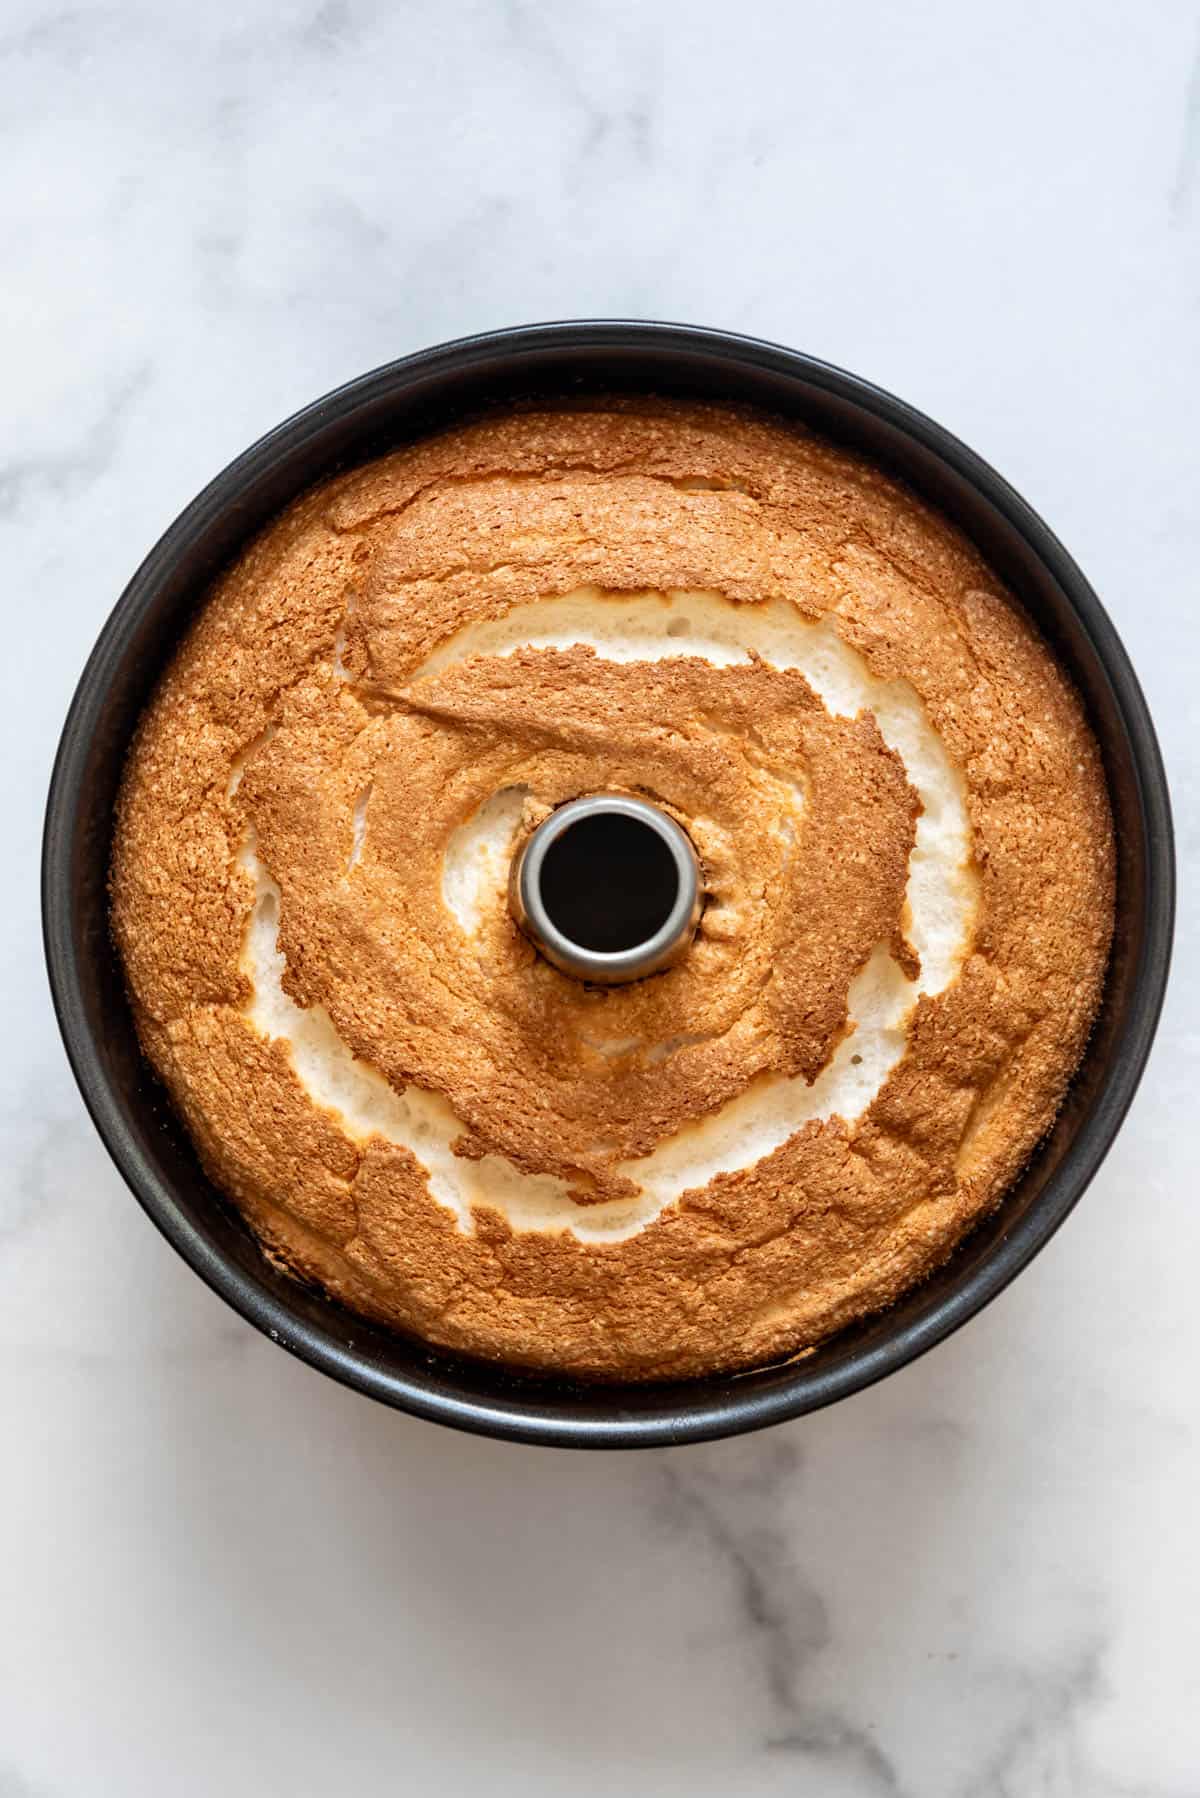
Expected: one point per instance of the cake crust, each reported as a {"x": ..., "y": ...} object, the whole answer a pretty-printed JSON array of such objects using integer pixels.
[{"x": 420, "y": 659}]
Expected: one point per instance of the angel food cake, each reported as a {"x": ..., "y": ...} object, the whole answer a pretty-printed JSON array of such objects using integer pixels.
[{"x": 905, "y": 856}]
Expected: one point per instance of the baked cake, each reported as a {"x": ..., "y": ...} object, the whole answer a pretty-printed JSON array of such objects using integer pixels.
[{"x": 906, "y": 857}]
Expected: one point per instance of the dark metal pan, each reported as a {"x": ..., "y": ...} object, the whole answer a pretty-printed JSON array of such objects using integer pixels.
[{"x": 395, "y": 404}]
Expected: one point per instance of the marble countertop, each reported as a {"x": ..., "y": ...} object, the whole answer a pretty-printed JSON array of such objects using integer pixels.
[{"x": 221, "y": 1573}]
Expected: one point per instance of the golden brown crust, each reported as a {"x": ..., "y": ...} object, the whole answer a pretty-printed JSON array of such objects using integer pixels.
[{"x": 300, "y": 716}]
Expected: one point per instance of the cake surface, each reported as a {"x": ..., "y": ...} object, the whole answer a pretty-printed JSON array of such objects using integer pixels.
[{"x": 906, "y": 854}]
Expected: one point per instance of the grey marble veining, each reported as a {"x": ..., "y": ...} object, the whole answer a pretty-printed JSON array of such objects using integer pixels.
[{"x": 220, "y": 1573}]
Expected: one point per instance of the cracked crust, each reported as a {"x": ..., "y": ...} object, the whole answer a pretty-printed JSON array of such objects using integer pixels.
[{"x": 297, "y": 709}]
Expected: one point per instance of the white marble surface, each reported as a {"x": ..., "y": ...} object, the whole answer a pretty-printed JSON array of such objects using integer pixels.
[{"x": 219, "y": 1573}]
